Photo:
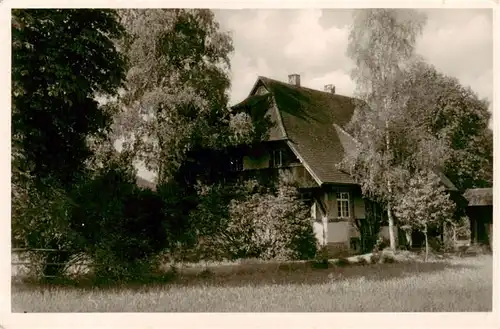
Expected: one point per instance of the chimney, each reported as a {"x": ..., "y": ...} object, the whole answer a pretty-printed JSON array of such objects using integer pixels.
[
  {"x": 294, "y": 79},
  {"x": 330, "y": 89}
]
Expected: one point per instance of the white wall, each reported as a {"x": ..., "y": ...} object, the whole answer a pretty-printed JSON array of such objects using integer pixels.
[
  {"x": 318, "y": 231},
  {"x": 338, "y": 232}
]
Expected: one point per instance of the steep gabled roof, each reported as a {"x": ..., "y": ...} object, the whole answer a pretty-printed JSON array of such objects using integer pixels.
[
  {"x": 313, "y": 122},
  {"x": 306, "y": 118}
]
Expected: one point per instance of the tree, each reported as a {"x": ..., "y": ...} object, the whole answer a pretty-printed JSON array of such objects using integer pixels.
[
  {"x": 455, "y": 114},
  {"x": 423, "y": 204},
  {"x": 176, "y": 96},
  {"x": 174, "y": 112},
  {"x": 381, "y": 44},
  {"x": 62, "y": 60},
  {"x": 122, "y": 226}
]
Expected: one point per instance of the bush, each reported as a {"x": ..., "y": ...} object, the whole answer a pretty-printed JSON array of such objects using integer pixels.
[
  {"x": 436, "y": 244},
  {"x": 246, "y": 220},
  {"x": 387, "y": 256},
  {"x": 362, "y": 261},
  {"x": 121, "y": 226},
  {"x": 320, "y": 263},
  {"x": 343, "y": 262},
  {"x": 271, "y": 226},
  {"x": 40, "y": 219},
  {"x": 211, "y": 219}
]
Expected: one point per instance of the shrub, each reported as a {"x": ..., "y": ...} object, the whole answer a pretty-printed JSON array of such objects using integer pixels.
[
  {"x": 271, "y": 226},
  {"x": 436, "y": 245},
  {"x": 211, "y": 219},
  {"x": 375, "y": 258},
  {"x": 40, "y": 219},
  {"x": 320, "y": 263},
  {"x": 387, "y": 256},
  {"x": 343, "y": 262},
  {"x": 121, "y": 226},
  {"x": 246, "y": 220},
  {"x": 362, "y": 261},
  {"x": 476, "y": 249}
]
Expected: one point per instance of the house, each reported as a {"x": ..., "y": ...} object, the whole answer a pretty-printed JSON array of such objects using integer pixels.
[
  {"x": 308, "y": 140},
  {"x": 480, "y": 213}
]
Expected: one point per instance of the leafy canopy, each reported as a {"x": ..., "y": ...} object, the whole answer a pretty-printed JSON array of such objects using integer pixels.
[
  {"x": 381, "y": 44},
  {"x": 176, "y": 96},
  {"x": 62, "y": 59}
]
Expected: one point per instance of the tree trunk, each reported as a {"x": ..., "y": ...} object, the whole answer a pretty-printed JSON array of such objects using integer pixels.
[
  {"x": 390, "y": 219},
  {"x": 426, "y": 244},
  {"x": 409, "y": 241},
  {"x": 455, "y": 245}
]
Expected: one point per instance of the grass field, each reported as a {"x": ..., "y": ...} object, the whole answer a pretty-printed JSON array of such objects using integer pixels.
[{"x": 457, "y": 285}]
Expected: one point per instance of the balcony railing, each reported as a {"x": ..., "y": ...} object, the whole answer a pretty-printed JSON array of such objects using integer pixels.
[{"x": 296, "y": 172}]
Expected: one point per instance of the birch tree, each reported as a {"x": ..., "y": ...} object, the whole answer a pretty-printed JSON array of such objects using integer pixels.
[
  {"x": 381, "y": 45},
  {"x": 176, "y": 96}
]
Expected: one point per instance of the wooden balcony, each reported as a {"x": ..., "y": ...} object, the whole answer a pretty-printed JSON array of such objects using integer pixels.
[{"x": 296, "y": 172}]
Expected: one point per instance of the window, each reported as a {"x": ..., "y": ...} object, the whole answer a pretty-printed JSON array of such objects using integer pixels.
[
  {"x": 276, "y": 158},
  {"x": 236, "y": 164},
  {"x": 343, "y": 204}
]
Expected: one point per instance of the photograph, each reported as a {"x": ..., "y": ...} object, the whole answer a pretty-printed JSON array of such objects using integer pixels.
[{"x": 257, "y": 160}]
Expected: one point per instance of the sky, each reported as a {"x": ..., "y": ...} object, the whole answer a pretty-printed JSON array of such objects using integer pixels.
[{"x": 312, "y": 42}]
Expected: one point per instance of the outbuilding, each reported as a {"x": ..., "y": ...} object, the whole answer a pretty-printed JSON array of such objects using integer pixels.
[{"x": 480, "y": 212}]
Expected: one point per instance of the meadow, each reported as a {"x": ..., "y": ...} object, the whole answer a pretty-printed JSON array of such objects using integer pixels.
[{"x": 446, "y": 285}]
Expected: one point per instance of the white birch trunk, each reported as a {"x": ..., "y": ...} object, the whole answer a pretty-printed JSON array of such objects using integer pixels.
[
  {"x": 426, "y": 244},
  {"x": 390, "y": 219}
]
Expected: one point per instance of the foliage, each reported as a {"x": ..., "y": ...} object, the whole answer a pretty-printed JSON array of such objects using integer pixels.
[
  {"x": 381, "y": 43},
  {"x": 122, "y": 227},
  {"x": 271, "y": 226},
  {"x": 425, "y": 203},
  {"x": 40, "y": 219},
  {"x": 211, "y": 216},
  {"x": 246, "y": 220},
  {"x": 39, "y": 215},
  {"x": 455, "y": 231},
  {"x": 455, "y": 114},
  {"x": 61, "y": 60},
  {"x": 176, "y": 97},
  {"x": 369, "y": 227}
]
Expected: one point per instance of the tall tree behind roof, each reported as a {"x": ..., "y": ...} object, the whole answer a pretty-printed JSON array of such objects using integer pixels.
[
  {"x": 381, "y": 44},
  {"x": 176, "y": 97},
  {"x": 455, "y": 114}
]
